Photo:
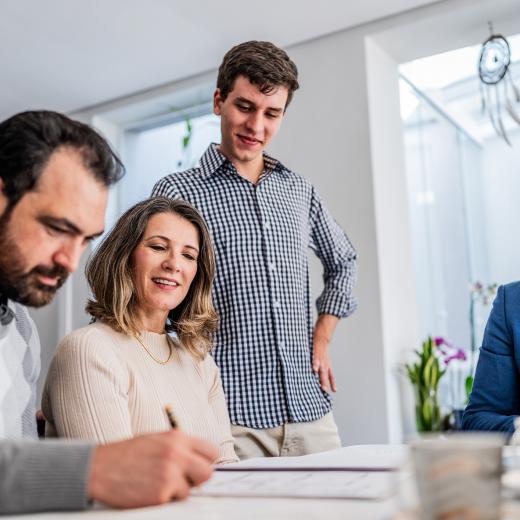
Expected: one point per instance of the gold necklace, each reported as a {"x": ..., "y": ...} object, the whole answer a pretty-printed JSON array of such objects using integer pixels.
[{"x": 152, "y": 356}]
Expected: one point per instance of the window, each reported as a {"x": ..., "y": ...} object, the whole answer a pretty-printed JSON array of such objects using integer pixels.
[
  {"x": 446, "y": 215},
  {"x": 152, "y": 153},
  {"x": 462, "y": 189}
]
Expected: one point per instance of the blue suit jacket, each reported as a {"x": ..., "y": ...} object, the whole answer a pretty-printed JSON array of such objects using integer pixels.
[{"x": 494, "y": 402}]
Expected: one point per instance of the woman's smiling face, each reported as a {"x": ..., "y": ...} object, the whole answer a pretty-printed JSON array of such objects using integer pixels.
[{"x": 165, "y": 263}]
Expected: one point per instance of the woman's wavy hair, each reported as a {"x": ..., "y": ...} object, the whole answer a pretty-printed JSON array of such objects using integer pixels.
[{"x": 109, "y": 272}]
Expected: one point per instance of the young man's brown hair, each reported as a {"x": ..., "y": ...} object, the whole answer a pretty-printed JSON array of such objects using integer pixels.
[{"x": 264, "y": 64}]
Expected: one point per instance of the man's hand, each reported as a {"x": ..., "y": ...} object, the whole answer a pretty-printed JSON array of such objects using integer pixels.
[
  {"x": 150, "y": 469},
  {"x": 323, "y": 331}
]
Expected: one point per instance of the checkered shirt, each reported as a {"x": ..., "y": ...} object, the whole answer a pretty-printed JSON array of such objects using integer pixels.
[{"x": 261, "y": 235}]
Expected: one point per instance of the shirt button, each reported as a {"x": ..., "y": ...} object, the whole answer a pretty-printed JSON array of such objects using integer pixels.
[
  {"x": 281, "y": 344},
  {"x": 267, "y": 225},
  {"x": 272, "y": 266},
  {"x": 277, "y": 304}
]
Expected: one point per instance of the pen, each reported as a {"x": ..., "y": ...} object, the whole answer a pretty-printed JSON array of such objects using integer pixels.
[{"x": 171, "y": 417}]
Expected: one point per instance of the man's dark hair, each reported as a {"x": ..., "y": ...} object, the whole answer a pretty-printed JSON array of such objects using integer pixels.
[
  {"x": 264, "y": 64},
  {"x": 28, "y": 139}
]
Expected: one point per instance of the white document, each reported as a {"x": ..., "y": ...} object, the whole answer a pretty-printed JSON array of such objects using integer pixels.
[
  {"x": 376, "y": 457},
  {"x": 362, "y": 472},
  {"x": 301, "y": 484}
]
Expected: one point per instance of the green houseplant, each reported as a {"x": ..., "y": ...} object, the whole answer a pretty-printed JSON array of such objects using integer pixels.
[{"x": 425, "y": 375}]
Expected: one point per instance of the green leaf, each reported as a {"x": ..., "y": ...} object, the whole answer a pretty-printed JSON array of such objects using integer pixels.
[
  {"x": 189, "y": 133},
  {"x": 428, "y": 347},
  {"x": 469, "y": 386},
  {"x": 412, "y": 373},
  {"x": 427, "y": 413},
  {"x": 428, "y": 371},
  {"x": 435, "y": 373}
]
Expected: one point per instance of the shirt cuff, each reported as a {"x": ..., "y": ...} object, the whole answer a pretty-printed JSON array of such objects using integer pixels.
[
  {"x": 46, "y": 476},
  {"x": 336, "y": 303}
]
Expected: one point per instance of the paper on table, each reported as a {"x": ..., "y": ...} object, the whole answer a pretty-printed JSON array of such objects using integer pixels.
[
  {"x": 366, "y": 457},
  {"x": 300, "y": 484}
]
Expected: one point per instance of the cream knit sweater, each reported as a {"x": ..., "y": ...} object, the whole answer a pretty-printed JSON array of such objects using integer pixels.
[{"x": 103, "y": 386}]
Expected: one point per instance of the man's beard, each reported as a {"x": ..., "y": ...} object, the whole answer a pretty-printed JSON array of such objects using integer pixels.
[{"x": 15, "y": 283}]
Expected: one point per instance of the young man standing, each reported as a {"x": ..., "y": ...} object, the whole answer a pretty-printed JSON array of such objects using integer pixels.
[
  {"x": 263, "y": 217},
  {"x": 54, "y": 178}
]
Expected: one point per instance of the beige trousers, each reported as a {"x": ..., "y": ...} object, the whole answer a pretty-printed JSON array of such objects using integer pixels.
[{"x": 287, "y": 440}]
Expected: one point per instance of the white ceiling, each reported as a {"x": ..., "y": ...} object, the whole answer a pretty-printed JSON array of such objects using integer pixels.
[{"x": 70, "y": 54}]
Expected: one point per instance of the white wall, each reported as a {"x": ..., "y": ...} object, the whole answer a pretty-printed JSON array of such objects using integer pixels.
[{"x": 393, "y": 235}]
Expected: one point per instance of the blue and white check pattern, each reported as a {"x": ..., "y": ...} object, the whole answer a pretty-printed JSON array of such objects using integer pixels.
[{"x": 261, "y": 235}]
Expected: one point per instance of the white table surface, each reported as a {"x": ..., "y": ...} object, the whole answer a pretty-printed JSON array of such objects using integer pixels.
[
  {"x": 232, "y": 508},
  {"x": 198, "y": 508},
  {"x": 206, "y": 508}
]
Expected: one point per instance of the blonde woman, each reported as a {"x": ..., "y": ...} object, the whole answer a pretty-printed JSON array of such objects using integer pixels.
[{"x": 148, "y": 347}]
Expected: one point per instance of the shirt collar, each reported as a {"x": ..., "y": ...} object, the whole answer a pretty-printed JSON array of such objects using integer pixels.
[
  {"x": 213, "y": 160},
  {"x": 6, "y": 311}
]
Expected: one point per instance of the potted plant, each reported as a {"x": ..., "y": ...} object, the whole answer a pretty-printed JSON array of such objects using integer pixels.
[
  {"x": 437, "y": 357},
  {"x": 425, "y": 375}
]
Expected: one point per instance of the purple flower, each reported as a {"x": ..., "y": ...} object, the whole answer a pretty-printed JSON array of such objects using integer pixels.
[
  {"x": 439, "y": 340},
  {"x": 448, "y": 351},
  {"x": 477, "y": 288},
  {"x": 482, "y": 294},
  {"x": 459, "y": 355}
]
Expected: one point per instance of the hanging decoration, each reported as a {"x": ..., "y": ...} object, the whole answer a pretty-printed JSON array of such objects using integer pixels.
[{"x": 496, "y": 83}]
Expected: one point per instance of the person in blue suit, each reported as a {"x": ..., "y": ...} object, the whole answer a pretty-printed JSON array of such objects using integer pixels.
[{"x": 494, "y": 402}]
